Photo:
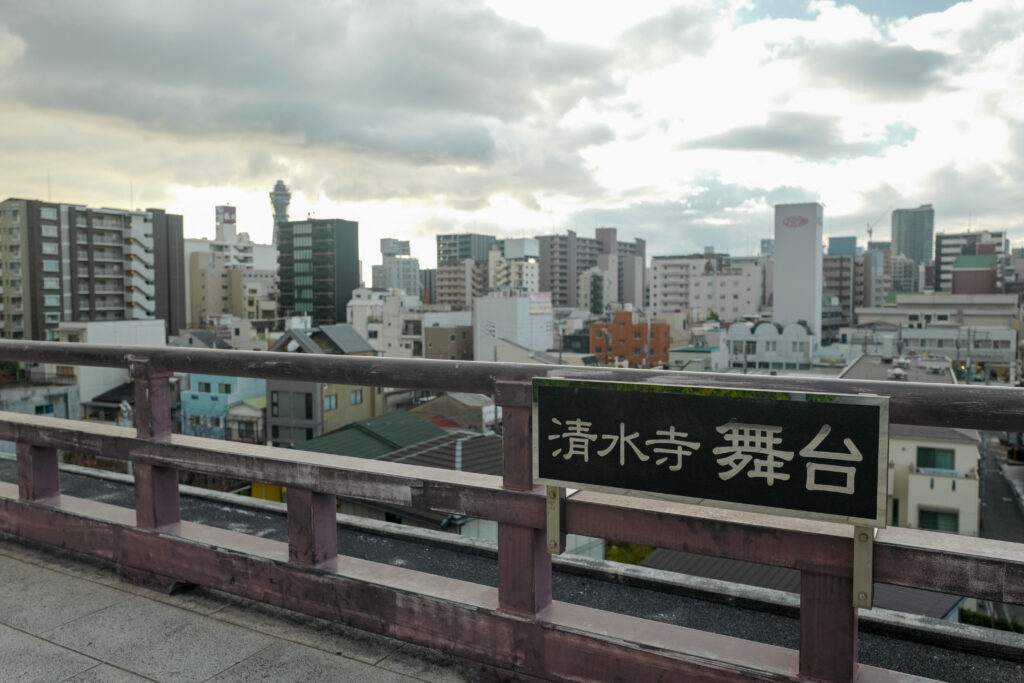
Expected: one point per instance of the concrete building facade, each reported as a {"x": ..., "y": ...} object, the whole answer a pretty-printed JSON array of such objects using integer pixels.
[
  {"x": 63, "y": 262},
  {"x": 318, "y": 267},
  {"x": 797, "y": 295},
  {"x": 912, "y": 232},
  {"x": 950, "y": 245}
]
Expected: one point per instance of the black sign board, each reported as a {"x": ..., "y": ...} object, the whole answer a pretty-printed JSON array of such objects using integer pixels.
[{"x": 820, "y": 456}]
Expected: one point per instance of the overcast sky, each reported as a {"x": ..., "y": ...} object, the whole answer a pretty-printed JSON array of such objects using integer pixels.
[{"x": 680, "y": 123}]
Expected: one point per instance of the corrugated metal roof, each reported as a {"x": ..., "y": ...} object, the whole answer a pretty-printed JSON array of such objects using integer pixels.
[
  {"x": 376, "y": 436},
  {"x": 898, "y": 598}
]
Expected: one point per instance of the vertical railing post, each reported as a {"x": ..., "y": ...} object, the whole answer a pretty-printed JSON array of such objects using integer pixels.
[
  {"x": 828, "y": 627},
  {"x": 312, "y": 527},
  {"x": 524, "y": 565},
  {"x": 157, "y": 501},
  {"x": 38, "y": 475}
]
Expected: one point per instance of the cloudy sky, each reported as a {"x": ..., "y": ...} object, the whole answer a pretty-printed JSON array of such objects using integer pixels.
[{"x": 681, "y": 123}]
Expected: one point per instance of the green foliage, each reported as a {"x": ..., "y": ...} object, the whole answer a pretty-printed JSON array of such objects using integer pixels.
[
  {"x": 978, "y": 619},
  {"x": 627, "y": 553}
]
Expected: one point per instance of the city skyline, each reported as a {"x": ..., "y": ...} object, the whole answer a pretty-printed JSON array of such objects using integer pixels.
[{"x": 682, "y": 126}]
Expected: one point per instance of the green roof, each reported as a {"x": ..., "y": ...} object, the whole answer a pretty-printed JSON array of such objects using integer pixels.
[
  {"x": 975, "y": 261},
  {"x": 259, "y": 403},
  {"x": 376, "y": 436}
]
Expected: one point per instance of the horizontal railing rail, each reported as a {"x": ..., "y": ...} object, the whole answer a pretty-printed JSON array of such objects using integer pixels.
[
  {"x": 914, "y": 403},
  {"x": 553, "y": 640}
]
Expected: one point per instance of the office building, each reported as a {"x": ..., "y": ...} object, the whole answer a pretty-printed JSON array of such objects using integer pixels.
[
  {"x": 842, "y": 246},
  {"x": 64, "y": 263},
  {"x": 398, "y": 269},
  {"x": 950, "y": 245},
  {"x": 455, "y": 249},
  {"x": 797, "y": 295},
  {"x": 318, "y": 267},
  {"x": 912, "y": 231}
]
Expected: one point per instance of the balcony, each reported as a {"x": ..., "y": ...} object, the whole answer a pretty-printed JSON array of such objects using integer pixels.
[{"x": 515, "y": 628}]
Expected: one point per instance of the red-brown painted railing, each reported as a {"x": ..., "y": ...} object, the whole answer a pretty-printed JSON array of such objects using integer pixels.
[{"x": 548, "y": 639}]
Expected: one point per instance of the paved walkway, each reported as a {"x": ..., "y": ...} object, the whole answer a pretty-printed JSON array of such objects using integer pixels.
[{"x": 65, "y": 618}]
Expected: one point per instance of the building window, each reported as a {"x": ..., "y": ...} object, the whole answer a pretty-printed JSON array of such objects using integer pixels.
[
  {"x": 48, "y": 213},
  {"x": 45, "y": 409},
  {"x": 936, "y": 458},
  {"x": 224, "y": 388},
  {"x": 330, "y": 402},
  {"x": 50, "y": 248},
  {"x": 895, "y": 511},
  {"x": 51, "y": 283},
  {"x": 195, "y": 421},
  {"x": 49, "y": 231},
  {"x": 214, "y": 421},
  {"x": 51, "y": 300},
  {"x": 935, "y": 520},
  {"x": 50, "y": 266},
  {"x": 356, "y": 397}
]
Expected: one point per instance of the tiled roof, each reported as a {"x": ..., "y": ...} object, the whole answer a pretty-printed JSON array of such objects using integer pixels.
[{"x": 376, "y": 436}]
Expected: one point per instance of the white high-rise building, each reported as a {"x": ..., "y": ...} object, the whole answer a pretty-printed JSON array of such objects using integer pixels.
[{"x": 798, "y": 277}]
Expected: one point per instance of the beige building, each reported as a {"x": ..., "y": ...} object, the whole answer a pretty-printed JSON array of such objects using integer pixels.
[
  {"x": 933, "y": 471},
  {"x": 458, "y": 285}
]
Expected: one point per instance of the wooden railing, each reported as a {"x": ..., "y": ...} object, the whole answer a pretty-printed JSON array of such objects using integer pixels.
[{"x": 516, "y": 628}]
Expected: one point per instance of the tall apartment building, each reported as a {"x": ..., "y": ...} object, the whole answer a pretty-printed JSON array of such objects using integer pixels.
[
  {"x": 564, "y": 257},
  {"x": 670, "y": 281},
  {"x": 839, "y": 277},
  {"x": 455, "y": 249},
  {"x": 62, "y": 262},
  {"x": 398, "y": 269},
  {"x": 458, "y": 284},
  {"x": 512, "y": 266},
  {"x": 912, "y": 231},
  {"x": 708, "y": 283},
  {"x": 950, "y": 245},
  {"x": 318, "y": 267}
]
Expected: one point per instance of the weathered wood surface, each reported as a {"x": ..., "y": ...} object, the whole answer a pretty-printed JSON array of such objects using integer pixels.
[
  {"x": 981, "y": 568},
  {"x": 969, "y": 406},
  {"x": 563, "y": 642}
]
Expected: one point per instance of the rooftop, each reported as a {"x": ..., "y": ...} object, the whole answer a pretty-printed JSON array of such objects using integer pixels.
[{"x": 874, "y": 368}]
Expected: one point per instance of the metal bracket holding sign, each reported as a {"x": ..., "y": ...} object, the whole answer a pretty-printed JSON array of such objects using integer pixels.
[
  {"x": 556, "y": 510},
  {"x": 799, "y": 454},
  {"x": 863, "y": 566}
]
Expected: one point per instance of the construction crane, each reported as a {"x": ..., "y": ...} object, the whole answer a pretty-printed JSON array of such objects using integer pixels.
[{"x": 872, "y": 224}]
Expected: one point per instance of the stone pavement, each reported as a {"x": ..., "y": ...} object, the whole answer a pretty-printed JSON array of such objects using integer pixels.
[{"x": 68, "y": 618}]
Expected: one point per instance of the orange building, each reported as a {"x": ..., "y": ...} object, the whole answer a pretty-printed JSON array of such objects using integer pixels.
[{"x": 630, "y": 336}]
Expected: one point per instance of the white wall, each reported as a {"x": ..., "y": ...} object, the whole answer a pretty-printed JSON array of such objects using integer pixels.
[{"x": 798, "y": 278}]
